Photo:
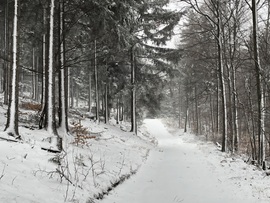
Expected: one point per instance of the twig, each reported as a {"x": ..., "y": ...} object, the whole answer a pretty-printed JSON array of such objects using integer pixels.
[
  {"x": 61, "y": 173},
  {"x": 2, "y": 175}
]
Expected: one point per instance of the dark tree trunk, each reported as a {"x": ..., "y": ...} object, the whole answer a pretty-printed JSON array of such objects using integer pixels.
[
  {"x": 133, "y": 92},
  {"x": 260, "y": 97}
]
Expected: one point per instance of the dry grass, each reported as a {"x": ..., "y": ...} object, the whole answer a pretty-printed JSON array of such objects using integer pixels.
[{"x": 31, "y": 106}]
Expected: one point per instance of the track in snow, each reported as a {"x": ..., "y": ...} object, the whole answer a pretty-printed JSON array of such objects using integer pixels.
[{"x": 177, "y": 171}]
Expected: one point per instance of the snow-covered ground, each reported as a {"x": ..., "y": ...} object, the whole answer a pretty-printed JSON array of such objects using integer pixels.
[
  {"x": 133, "y": 169},
  {"x": 184, "y": 169},
  {"x": 84, "y": 172}
]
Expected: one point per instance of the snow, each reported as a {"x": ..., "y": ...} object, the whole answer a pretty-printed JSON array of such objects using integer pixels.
[
  {"x": 29, "y": 174},
  {"x": 185, "y": 169},
  {"x": 164, "y": 167}
]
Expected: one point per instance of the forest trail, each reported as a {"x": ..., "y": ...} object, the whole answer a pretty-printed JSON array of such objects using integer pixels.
[{"x": 180, "y": 171}]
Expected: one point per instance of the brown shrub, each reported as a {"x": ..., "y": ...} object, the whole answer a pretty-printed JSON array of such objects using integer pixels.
[
  {"x": 81, "y": 134},
  {"x": 31, "y": 106}
]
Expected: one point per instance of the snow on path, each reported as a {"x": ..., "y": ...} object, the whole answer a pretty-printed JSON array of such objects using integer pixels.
[{"x": 178, "y": 171}]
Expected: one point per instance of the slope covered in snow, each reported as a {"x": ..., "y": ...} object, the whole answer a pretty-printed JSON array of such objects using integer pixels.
[
  {"x": 184, "y": 169},
  {"x": 90, "y": 165}
]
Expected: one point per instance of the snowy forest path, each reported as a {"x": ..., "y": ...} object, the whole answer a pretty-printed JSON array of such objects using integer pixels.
[{"x": 178, "y": 171}]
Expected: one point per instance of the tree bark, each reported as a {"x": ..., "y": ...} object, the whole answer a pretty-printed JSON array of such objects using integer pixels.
[
  {"x": 6, "y": 52},
  {"x": 96, "y": 81},
  {"x": 89, "y": 90},
  {"x": 12, "y": 116},
  {"x": 133, "y": 93},
  {"x": 63, "y": 97},
  {"x": 222, "y": 81},
  {"x": 56, "y": 141},
  {"x": 260, "y": 97}
]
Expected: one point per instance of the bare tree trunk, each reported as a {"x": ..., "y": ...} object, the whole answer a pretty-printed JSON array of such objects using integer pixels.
[
  {"x": 251, "y": 110},
  {"x": 76, "y": 87},
  {"x": 71, "y": 91},
  {"x": 196, "y": 110},
  {"x": 43, "y": 122},
  {"x": 43, "y": 86},
  {"x": 179, "y": 105},
  {"x": 217, "y": 105},
  {"x": 6, "y": 63},
  {"x": 212, "y": 115},
  {"x": 222, "y": 82},
  {"x": 89, "y": 90},
  {"x": 118, "y": 111},
  {"x": 56, "y": 141},
  {"x": 106, "y": 103},
  {"x": 258, "y": 69},
  {"x": 36, "y": 79},
  {"x": 33, "y": 74},
  {"x": 235, "y": 110},
  {"x": 63, "y": 106},
  {"x": 12, "y": 116},
  {"x": 187, "y": 112},
  {"x": 133, "y": 93},
  {"x": 96, "y": 81}
]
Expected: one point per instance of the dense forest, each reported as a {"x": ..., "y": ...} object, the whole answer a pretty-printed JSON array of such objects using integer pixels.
[
  {"x": 91, "y": 90},
  {"x": 99, "y": 56},
  {"x": 111, "y": 56}
]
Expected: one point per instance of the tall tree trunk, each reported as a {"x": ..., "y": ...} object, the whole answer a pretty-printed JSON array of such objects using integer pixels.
[
  {"x": 43, "y": 122},
  {"x": 222, "y": 81},
  {"x": 56, "y": 141},
  {"x": 217, "y": 105},
  {"x": 106, "y": 103},
  {"x": 212, "y": 115},
  {"x": 230, "y": 108},
  {"x": 6, "y": 63},
  {"x": 196, "y": 110},
  {"x": 71, "y": 90},
  {"x": 187, "y": 112},
  {"x": 89, "y": 90},
  {"x": 63, "y": 106},
  {"x": 235, "y": 110},
  {"x": 36, "y": 79},
  {"x": 133, "y": 92},
  {"x": 96, "y": 81},
  {"x": 260, "y": 97},
  {"x": 44, "y": 69},
  {"x": 12, "y": 116},
  {"x": 179, "y": 105},
  {"x": 251, "y": 110},
  {"x": 118, "y": 111},
  {"x": 33, "y": 74}
]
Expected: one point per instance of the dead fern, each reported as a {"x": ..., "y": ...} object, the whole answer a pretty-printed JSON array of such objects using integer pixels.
[{"x": 82, "y": 135}]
